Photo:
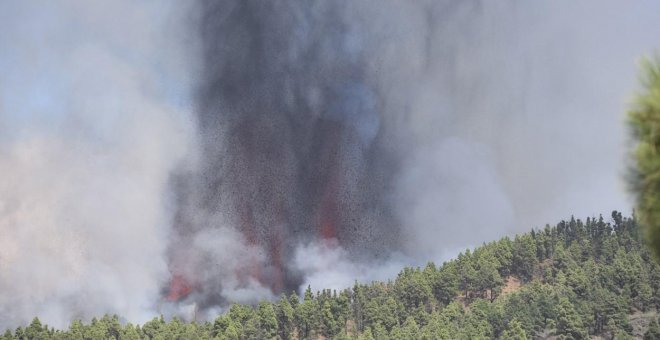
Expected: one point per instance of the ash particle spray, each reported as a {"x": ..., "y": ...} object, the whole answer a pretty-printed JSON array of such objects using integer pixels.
[{"x": 291, "y": 134}]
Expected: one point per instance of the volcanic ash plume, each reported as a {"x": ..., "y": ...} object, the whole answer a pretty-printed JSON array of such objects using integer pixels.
[
  {"x": 292, "y": 151},
  {"x": 372, "y": 132}
]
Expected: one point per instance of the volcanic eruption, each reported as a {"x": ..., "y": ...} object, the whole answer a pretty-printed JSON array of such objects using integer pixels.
[
  {"x": 161, "y": 155},
  {"x": 373, "y": 131},
  {"x": 291, "y": 143}
]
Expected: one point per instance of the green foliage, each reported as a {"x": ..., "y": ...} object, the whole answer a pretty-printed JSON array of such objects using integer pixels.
[
  {"x": 413, "y": 289},
  {"x": 569, "y": 322},
  {"x": 579, "y": 279},
  {"x": 267, "y": 320},
  {"x": 308, "y": 315},
  {"x": 524, "y": 256},
  {"x": 514, "y": 331},
  {"x": 285, "y": 318},
  {"x": 644, "y": 117},
  {"x": 653, "y": 332}
]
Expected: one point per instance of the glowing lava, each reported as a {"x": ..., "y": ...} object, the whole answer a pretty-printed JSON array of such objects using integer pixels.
[{"x": 179, "y": 288}]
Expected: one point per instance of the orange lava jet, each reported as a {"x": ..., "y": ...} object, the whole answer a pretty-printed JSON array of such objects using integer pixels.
[
  {"x": 179, "y": 288},
  {"x": 329, "y": 209}
]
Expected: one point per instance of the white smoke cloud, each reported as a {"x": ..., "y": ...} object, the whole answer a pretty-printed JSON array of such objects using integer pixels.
[
  {"x": 226, "y": 252},
  {"x": 91, "y": 131},
  {"x": 327, "y": 265}
]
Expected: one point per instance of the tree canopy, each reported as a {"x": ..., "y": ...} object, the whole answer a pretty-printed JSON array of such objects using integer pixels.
[{"x": 644, "y": 117}]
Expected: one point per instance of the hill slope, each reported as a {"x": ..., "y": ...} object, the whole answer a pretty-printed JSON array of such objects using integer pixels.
[{"x": 576, "y": 280}]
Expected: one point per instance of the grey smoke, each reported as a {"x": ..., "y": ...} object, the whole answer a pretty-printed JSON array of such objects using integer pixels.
[
  {"x": 143, "y": 140},
  {"x": 89, "y": 134},
  {"x": 447, "y": 123}
]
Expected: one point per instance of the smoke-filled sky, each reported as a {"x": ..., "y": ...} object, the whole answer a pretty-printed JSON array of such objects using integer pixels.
[{"x": 157, "y": 157}]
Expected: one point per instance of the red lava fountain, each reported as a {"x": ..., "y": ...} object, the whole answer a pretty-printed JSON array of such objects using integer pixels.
[
  {"x": 265, "y": 229},
  {"x": 179, "y": 288}
]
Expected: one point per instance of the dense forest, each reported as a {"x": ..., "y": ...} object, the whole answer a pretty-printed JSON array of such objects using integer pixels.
[{"x": 576, "y": 280}]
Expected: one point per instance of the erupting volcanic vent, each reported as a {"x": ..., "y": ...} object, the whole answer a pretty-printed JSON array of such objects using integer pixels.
[
  {"x": 179, "y": 288},
  {"x": 291, "y": 147}
]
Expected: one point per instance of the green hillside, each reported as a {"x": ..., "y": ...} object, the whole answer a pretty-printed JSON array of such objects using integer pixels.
[{"x": 576, "y": 280}]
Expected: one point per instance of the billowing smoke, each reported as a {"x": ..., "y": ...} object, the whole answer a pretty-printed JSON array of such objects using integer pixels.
[
  {"x": 373, "y": 133},
  {"x": 160, "y": 157},
  {"x": 90, "y": 130},
  {"x": 293, "y": 142}
]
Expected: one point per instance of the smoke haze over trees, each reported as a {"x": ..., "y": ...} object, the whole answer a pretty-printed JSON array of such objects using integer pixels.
[
  {"x": 156, "y": 156},
  {"x": 573, "y": 280}
]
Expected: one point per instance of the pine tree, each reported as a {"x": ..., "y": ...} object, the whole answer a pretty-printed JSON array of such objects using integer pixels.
[
  {"x": 524, "y": 257},
  {"x": 445, "y": 283},
  {"x": 308, "y": 312},
  {"x": 267, "y": 319},
  {"x": 412, "y": 289},
  {"x": 380, "y": 332},
  {"x": 285, "y": 317},
  {"x": 467, "y": 273},
  {"x": 231, "y": 332},
  {"x": 569, "y": 322},
  {"x": 643, "y": 117},
  {"x": 129, "y": 332},
  {"x": 329, "y": 323},
  {"x": 35, "y": 331},
  {"x": 366, "y": 335},
  {"x": 514, "y": 331},
  {"x": 653, "y": 332}
]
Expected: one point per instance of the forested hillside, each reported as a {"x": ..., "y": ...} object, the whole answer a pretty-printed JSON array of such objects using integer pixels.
[{"x": 576, "y": 280}]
